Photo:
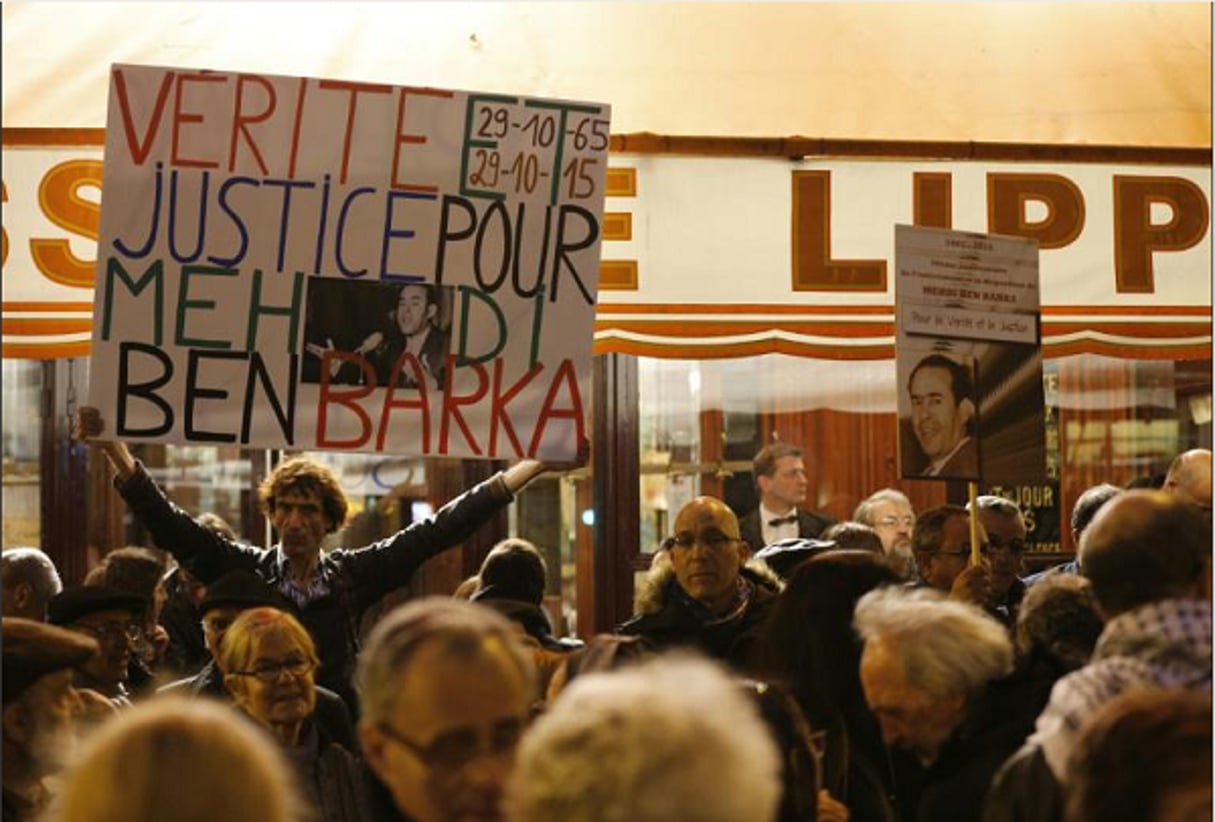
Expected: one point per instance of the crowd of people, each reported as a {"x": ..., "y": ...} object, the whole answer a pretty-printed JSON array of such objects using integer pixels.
[{"x": 778, "y": 667}]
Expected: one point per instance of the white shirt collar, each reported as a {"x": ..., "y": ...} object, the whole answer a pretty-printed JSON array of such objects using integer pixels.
[{"x": 935, "y": 467}]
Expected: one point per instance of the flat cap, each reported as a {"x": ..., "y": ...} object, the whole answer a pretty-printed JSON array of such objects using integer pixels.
[
  {"x": 785, "y": 555},
  {"x": 31, "y": 650},
  {"x": 73, "y": 603}
]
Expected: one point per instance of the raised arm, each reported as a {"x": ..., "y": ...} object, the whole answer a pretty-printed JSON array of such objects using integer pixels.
[
  {"x": 89, "y": 428},
  {"x": 388, "y": 564},
  {"x": 521, "y": 473},
  {"x": 206, "y": 554}
]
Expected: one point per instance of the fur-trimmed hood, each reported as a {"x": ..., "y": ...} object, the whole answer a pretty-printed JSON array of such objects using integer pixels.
[{"x": 651, "y": 593}]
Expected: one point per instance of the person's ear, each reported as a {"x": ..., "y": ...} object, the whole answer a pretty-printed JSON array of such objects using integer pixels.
[
  {"x": 23, "y": 594},
  {"x": 431, "y": 311},
  {"x": 16, "y": 724},
  {"x": 955, "y": 706},
  {"x": 744, "y": 551},
  {"x": 763, "y": 483},
  {"x": 967, "y": 409}
]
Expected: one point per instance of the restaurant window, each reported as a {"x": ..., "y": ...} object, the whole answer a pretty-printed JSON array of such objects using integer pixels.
[
  {"x": 386, "y": 494},
  {"x": 1108, "y": 420},
  {"x": 22, "y": 395},
  {"x": 206, "y": 479}
]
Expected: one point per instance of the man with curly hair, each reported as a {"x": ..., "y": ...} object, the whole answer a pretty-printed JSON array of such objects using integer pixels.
[{"x": 304, "y": 502}]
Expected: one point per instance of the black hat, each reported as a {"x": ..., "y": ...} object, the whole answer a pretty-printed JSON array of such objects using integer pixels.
[
  {"x": 243, "y": 590},
  {"x": 71, "y": 604},
  {"x": 32, "y": 650},
  {"x": 785, "y": 555},
  {"x": 512, "y": 570}
]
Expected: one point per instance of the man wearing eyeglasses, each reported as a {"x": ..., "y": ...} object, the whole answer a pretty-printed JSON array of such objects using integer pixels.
[
  {"x": 941, "y": 541},
  {"x": 226, "y": 599},
  {"x": 1005, "y": 527},
  {"x": 889, "y": 512},
  {"x": 698, "y": 592},
  {"x": 447, "y": 689},
  {"x": 114, "y": 619}
]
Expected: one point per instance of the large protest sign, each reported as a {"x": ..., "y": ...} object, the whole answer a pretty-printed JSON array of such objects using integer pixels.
[
  {"x": 969, "y": 356},
  {"x": 289, "y": 262}
]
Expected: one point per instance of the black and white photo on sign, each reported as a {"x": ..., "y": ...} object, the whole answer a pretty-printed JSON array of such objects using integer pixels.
[
  {"x": 939, "y": 416},
  {"x": 969, "y": 356},
  {"x": 360, "y": 332}
]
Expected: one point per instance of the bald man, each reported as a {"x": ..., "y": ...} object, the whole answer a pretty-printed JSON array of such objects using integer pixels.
[
  {"x": 28, "y": 580},
  {"x": 1189, "y": 477},
  {"x": 701, "y": 592}
]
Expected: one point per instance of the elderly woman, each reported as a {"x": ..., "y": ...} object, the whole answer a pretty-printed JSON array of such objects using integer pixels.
[{"x": 269, "y": 661}]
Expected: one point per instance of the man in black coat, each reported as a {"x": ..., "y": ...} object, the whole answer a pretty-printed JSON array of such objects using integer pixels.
[
  {"x": 937, "y": 675},
  {"x": 512, "y": 581},
  {"x": 699, "y": 593},
  {"x": 780, "y": 478},
  {"x": 304, "y": 501}
]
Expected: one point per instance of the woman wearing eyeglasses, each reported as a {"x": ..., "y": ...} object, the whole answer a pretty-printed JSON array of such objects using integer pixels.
[{"x": 269, "y": 663}]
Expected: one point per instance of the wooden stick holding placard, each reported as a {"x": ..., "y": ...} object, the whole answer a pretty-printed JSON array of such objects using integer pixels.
[{"x": 972, "y": 491}]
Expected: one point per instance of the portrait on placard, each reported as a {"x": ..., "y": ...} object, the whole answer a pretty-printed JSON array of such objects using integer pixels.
[
  {"x": 939, "y": 416},
  {"x": 362, "y": 333}
]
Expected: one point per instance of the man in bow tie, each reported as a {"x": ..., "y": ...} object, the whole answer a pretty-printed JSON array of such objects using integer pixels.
[{"x": 780, "y": 477}]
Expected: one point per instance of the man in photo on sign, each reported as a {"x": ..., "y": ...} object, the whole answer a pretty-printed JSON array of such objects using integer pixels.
[
  {"x": 943, "y": 417},
  {"x": 413, "y": 327}
]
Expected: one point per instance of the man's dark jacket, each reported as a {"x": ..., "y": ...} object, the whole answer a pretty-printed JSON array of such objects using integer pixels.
[
  {"x": 358, "y": 577},
  {"x": 1000, "y": 720},
  {"x": 187, "y": 652},
  {"x": 534, "y": 621},
  {"x": 666, "y": 620},
  {"x": 809, "y": 525}
]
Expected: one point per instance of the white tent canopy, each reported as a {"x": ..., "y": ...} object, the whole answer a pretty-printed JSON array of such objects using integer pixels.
[{"x": 1135, "y": 74}]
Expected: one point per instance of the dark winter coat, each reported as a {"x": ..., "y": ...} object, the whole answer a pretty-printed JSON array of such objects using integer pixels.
[{"x": 665, "y": 619}]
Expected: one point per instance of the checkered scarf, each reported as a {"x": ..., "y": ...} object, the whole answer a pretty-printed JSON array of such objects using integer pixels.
[{"x": 1164, "y": 644}]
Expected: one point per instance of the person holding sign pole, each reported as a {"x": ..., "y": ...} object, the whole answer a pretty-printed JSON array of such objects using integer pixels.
[
  {"x": 1005, "y": 527},
  {"x": 942, "y": 417},
  {"x": 941, "y": 541},
  {"x": 304, "y": 501}
]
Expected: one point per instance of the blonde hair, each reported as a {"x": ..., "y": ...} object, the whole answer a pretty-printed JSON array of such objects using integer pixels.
[
  {"x": 237, "y": 650},
  {"x": 186, "y": 760},
  {"x": 670, "y": 738}
]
